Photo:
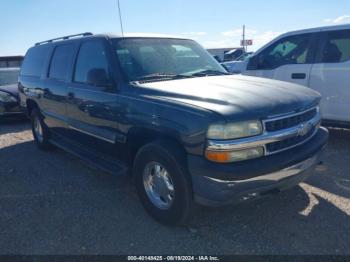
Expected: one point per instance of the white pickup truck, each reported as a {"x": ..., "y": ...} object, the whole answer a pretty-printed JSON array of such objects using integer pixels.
[{"x": 318, "y": 58}]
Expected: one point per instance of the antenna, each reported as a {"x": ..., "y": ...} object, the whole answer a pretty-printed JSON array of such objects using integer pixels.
[{"x": 120, "y": 19}]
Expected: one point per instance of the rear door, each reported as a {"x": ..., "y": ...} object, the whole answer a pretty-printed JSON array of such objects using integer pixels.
[
  {"x": 287, "y": 59},
  {"x": 33, "y": 74},
  {"x": 92, "y": 99},
  {"x": 331, "y": 74},
  {"x": 55, "y": 82}
]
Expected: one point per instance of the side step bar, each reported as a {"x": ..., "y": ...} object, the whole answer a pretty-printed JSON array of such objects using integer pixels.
[{"x": 105, "y": 163}]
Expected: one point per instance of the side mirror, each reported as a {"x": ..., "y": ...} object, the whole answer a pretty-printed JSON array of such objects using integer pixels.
[
  {"x": 253, "y": 63},
  {"x": 98, "y": 77}
]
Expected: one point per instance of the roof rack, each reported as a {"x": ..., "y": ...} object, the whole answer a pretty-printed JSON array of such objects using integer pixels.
[{"x": 64, "y": 38}]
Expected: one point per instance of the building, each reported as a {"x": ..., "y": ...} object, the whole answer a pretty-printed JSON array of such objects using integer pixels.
[{"x": 10, "y": 61}]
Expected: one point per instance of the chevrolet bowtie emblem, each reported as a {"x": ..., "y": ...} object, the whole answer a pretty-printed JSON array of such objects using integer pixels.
[{"x": 304, "y": 129}]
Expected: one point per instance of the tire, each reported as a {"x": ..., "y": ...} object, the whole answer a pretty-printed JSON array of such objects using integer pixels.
[
  {"x": 173, "y": 161},
  {"x": 40, "y": 130}
]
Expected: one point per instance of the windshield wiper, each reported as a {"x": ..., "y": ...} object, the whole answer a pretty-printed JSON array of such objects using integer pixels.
[
  {"x": 160, "y": 76},
  {"x": 209, "y": 72}
]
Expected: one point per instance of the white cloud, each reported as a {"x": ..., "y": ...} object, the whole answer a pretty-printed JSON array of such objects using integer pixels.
[
  {"x": 219, "y": 43},
  {"x": 338, "y": 20},
  {"x": 233, "y": 38},
  {"x": 238, "y": 32}
]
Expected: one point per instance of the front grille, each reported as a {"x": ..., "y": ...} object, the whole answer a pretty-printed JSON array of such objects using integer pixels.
[
  {"x": 287, "y": 122},
  {"x": 280, "y": 134},
  {"x": 290, "y": 142}
]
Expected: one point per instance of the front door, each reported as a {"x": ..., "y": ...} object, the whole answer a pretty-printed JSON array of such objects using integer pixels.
[
  {"x": 287, "y": 59},
  {"x": 92, "y": 99}
]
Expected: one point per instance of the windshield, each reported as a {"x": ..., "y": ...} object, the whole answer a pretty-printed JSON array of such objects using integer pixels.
[
  {"x": 8, "y": 77},
  {"x": 152, "y": 59}
]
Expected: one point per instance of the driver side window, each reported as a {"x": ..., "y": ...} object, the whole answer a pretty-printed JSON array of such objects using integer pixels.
[
  {"x": 92, "y": 68},
  {"x": 288, "y": 50}
]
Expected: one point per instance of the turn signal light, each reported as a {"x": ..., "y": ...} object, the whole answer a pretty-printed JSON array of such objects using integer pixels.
[
  {"x": 220, "y": 157},
  {"x": 234, "y": 156}
]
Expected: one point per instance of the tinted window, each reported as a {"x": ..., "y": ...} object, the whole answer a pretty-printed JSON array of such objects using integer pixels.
[
  {"x": 34, "y": 61},
  {"x": 288, "y": 50},
  {"x": 92, "y": 65},
  {"x": 336, "y": 47},
  {"x": 60, "y": 62}
]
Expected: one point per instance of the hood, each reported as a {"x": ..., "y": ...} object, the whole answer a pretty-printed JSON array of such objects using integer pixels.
[
  {"x": 236, "y": 66},
  {"x": 12, "y": 89},
  {"x": 237, "y": 97}
]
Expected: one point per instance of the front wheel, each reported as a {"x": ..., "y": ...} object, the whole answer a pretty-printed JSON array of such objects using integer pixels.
[{"x": 163, "y": 183}]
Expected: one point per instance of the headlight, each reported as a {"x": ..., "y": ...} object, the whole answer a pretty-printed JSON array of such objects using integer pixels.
[
  {"x": 235, "y": 130},
  {"x": 6, "y": 97}
]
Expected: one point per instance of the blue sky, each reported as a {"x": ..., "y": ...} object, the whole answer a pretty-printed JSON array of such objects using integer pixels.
[{"x": 213, "y": 23}]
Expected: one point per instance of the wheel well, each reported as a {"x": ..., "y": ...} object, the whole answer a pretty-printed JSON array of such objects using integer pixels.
[
  {"x": 138, "y": 138},
  {"x": 30, "y": 106}
]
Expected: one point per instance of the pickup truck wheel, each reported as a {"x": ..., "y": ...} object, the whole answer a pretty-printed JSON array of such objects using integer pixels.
[
  {"x": 40, "y": 131},
  {"x": 162, "y": 183}
]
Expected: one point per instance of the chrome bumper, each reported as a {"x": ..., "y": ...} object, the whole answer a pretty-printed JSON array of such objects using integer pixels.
[
  {"x": 226, "y": 192},
  {"x": 276, "y": 176}
]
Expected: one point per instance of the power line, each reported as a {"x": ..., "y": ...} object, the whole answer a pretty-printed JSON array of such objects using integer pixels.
[{"x": 120, "y": 19}]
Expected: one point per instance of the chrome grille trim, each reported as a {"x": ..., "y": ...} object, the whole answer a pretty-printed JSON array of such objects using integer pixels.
[
  {"x": 269, "y": 119},
  {"x": 277, "y": 121}
]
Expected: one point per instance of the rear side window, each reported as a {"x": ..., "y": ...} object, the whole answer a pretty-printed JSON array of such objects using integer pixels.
[
  {"x": 336, "y": 47},
  {"x": 92, "y": 64},
  {"x": 289, "y": 50},
  {"x": 34, "y": 61},
  {"x": 60, "y": 62}
]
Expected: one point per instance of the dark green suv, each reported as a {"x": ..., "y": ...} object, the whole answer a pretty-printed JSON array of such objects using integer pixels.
[{"x": 164, "y": 111}]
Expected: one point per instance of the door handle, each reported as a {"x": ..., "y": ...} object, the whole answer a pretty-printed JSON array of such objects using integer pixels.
[{"x": 298, "y": 76}]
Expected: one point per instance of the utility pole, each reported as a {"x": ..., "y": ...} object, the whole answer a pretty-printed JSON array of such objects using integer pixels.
[
  {"x": 243, "y": 37},
  {"x": 120, "y": 19}
]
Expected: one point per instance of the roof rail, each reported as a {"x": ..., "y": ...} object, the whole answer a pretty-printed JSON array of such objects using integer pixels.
[{"x": 64, "y": 38}]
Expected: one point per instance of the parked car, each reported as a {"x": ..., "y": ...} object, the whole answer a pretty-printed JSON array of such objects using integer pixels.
[
  {"x": 317, "y": 58},
  {"x": 9, "y": 100},
  {"x": 187, "y": 131},
  {"x": 245, "y": 56},
  {"x": 233, "y": 54},
  {"x": 236, "y": 67}
]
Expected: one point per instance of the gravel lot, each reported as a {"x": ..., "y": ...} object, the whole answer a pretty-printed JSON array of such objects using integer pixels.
[{"x": 52, "y": 203}]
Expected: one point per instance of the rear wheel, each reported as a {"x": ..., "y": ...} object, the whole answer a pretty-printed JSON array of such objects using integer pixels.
[
  {"x": 163, "y": 183},
  {"x": 40, "y": 131}
]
